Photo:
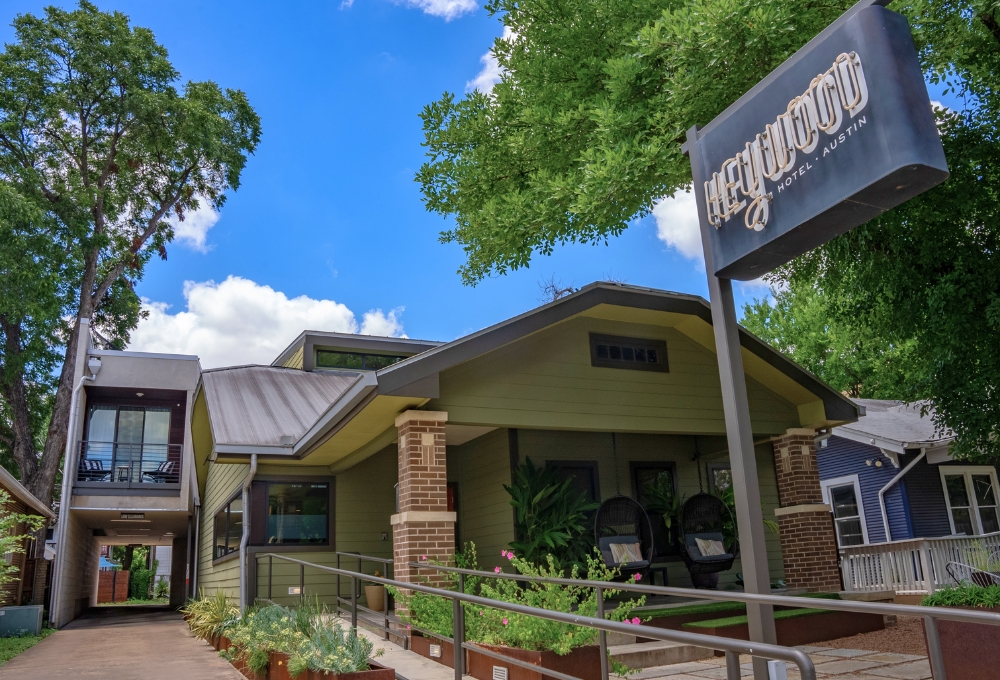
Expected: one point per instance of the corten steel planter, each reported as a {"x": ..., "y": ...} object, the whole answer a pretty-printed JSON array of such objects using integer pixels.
[
  {"x": 971, "y": 651},
  {"x": 422, "y": 646},
  {"x": 804, "y": 630},
  {"x": 375, "y": 672},
  {"x": 582, "y": 662},
  {"x": 277, "y": 668}
]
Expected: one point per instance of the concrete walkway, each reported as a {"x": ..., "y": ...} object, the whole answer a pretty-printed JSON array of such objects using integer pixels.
[{"x": 124, "y": 643}]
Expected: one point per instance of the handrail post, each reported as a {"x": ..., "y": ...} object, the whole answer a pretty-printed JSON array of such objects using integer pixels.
[
  {"x": 603, "y": 635},
  {"x": 270, "y": 570},
  {"x": 461, "y": 614},
  {"x": 354, "y": 604},
  {"x": 302, "y": 582},
  {"x": 385, "y": 613},
  {"x": 732, "y": 666},
  {"x": 934, "y": 648},
  {"x": 458, "y": 637},
  {"x": 927, "y": 568}
]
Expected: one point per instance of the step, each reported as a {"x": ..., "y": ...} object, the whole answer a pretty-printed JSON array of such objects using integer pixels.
[{"x": 662, "y": 653}]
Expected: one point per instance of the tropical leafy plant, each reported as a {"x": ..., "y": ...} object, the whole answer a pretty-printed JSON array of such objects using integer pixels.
[
  {"x": 12, "y": 535},
  {"x": 729, "y": 528},
  {"x": 162, "y": 588},
  {"x": 662, "y": 499},
  {"x": 208, "y": 616},
  {"x": 550, "y": 516}
]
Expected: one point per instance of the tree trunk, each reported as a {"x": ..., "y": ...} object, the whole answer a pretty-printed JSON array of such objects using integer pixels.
[
  {"x": 16, "y": 396},
  {"x": 127, "y": 562}
]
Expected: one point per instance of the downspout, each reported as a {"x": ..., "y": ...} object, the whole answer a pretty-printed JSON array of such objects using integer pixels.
[
  {"x": 197, "y": 525},
  {"x": 892, "y": 482},
  {"x": 246, "y": 532},
  {"x": 69, "y": 473}
]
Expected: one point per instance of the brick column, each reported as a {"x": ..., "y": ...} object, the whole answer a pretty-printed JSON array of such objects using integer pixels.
[
  {"x": 808, "y": 543},
  {"x": 423, "y": 525}
]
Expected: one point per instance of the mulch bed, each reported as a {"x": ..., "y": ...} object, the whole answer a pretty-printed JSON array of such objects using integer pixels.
[{"x": 906, "y": 637}]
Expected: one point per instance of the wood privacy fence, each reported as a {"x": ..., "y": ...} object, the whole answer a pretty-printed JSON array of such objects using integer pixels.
[{"x": 112, "y": 586}]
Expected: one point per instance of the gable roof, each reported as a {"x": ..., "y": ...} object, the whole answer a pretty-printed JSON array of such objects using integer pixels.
[
  {"x": 19, "y": 493},
  {"x": 251, "y": 406},
  {"x": 895, "y": 426}
]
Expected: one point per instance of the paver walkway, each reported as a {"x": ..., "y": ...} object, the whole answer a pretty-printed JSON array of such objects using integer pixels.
[{"x": 123, "y": 643}]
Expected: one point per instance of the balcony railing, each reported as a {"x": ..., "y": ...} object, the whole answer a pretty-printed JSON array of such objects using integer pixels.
[
  {"x": 913, "y": 566},
  {"x": 129, "y": 466}
]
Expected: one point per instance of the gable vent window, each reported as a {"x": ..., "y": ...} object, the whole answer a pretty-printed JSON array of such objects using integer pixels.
[
  {"x": 354, "y": 361},
  {"x": 611, "y": 351}
]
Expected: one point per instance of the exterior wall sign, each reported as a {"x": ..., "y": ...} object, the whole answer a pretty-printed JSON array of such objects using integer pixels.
[
  {"x": 133, "y": 515},
  {"x": 838, "y": 134}
]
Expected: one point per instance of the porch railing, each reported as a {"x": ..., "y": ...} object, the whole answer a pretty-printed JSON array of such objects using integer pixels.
[
  {"x": 913, "y": 566},
  {"x": 127, "y": 465}
]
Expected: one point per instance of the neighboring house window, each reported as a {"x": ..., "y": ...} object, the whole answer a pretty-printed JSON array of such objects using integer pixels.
[
  {"x": 356, "y": 361},
  {"x": 844, "y": 495},
  {"x": 228, "y": 528},
  {"x": 298, "y": 513},
  {"x": 971, "y": 496},
  {"x": 720, "y": 476},
  {"x": 610, "y": 351}
]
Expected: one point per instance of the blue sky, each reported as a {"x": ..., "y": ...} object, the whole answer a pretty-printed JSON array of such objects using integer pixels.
[{"x": 328, "y": 208}]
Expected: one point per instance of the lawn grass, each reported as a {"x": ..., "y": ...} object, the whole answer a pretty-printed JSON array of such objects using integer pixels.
[
  {"x": 715, "y": 607},
  {"x": 741, "y": 620},
  {"x": 132, "y": 600},
  {"x": 12, "y": 646}
]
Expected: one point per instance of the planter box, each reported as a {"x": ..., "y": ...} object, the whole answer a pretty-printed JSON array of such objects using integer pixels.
[
  {"x": 582, "y": 662},
  {"x": 971, "y": 651},
  {"x": 375, "y": 672},
  {"x": 277, "y": 668},
  {"x": 422, "y": 646},
  {"x": 804, "y": 630},
  {"x": 16, "y": 621}
]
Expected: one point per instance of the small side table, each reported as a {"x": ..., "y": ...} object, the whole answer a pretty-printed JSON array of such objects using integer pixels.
[
  {"x": 123, "y": 473},
  {"x": 660, "y": 568}
]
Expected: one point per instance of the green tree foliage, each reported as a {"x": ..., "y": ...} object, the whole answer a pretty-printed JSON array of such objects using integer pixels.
[
  {"x": 13, "y": 527},
  {"x": 583, "y": 135},
  {"x": 849, "y": 357},
  {"x": 98, "y": 134}
]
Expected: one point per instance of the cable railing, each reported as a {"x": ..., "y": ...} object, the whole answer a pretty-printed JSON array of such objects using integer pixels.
[
  {"x": 929, "y": 615},
  {"x": 731, "y": 647},
  {"x": 128, "y": 465}
]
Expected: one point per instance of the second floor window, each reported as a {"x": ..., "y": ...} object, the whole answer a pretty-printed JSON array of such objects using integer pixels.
[{"x": 136, "y": 425}]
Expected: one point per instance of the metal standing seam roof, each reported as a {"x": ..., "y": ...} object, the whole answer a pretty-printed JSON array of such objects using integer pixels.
[
  {"x": 895, "y": 421},
  {"x": 262, "y": 405}
]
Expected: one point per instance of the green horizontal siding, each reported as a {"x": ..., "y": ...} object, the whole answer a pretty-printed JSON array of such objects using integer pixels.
[{"x": 222, "y": 482}]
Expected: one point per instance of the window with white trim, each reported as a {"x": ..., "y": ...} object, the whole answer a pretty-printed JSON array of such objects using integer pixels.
[
  {"x": 843, "y": 494},
  {"x": 970, "y": 493}
]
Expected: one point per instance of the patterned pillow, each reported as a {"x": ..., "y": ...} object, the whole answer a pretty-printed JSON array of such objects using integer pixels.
[
  {"x": 709, "y": 548},
  {"x": 626, "y": 552}
]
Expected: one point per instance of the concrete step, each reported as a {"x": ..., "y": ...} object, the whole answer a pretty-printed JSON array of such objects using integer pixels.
[{"x": 649, "y": 654}]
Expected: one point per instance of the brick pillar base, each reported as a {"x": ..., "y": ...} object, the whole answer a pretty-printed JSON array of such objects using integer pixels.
[
  {"x": 423, "y": 529},
  {"x": 808, "y": 542}
]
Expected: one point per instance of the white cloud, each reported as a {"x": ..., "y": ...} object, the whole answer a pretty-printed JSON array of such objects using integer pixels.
[
  {"x": 194, "y": 229},
  {"x": 677, "y": 224},
  {"x": 492, "y": 72},
  {"x": 240, "y": 321},
  {"x": 446, "y": 9}
]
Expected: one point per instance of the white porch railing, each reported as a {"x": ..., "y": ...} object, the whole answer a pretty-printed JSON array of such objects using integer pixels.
[{"x": 912, "y": 566}]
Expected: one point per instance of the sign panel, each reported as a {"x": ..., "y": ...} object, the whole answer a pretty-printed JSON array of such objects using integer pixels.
[
  {"x": 133, "y": 515},
  {"x": 840, "y": 133}
]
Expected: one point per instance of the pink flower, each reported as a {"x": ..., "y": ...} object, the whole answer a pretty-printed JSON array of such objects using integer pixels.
[
  {"x": 636, "y": 621},
  {"x": 505, "y": 622},
  {"x": 407, "y": 625},
  {"x": 638, "y": 577},
  {"x": 480, "y": 612},
  {"x": 510, "y": 554},
  {"x": 503, "y": 552},
  {"x": 423, "y": 557},
  {"x": 496, "y": 569}
]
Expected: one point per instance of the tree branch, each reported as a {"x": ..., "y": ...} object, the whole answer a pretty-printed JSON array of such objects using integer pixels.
[{"x": 991, "y": 24}]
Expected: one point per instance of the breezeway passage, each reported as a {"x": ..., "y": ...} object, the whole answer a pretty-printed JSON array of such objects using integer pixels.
[{"x": 125, "y": 643}]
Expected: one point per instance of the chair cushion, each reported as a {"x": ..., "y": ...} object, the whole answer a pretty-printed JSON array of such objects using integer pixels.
[
  {"x": 605, "y": 544},
  {"x": 624, "y": 553},
  {"x": 92, "y": 465},
  {"x": 695, "y": 553}
]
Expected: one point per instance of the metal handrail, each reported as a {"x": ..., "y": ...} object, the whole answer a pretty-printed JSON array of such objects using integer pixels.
[
  {"x": 126, "y": 461},
  {"x": 928, "y": 614},
  {"x": 731, "y": 646}
]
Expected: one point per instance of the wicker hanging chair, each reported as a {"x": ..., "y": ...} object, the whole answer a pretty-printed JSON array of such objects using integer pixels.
[
  {"x": 702, "y": 517},
  {"x": 623, "y": 521}
]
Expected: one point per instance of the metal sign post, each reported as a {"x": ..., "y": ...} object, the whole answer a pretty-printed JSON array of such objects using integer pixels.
[
  {"x": 739, "y": 434},
  {"x": 839, "y": 133}
]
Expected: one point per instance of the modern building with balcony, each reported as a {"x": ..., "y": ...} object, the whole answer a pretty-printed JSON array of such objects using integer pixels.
[{"x": 127, "y": 476}]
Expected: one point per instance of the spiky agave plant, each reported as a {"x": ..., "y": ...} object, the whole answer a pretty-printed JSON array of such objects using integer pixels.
[{"x": 207, "y": 616}]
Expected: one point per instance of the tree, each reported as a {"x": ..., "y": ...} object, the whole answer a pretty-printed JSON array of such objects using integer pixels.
[
  {"x": 14, "y": 528},
  {"x": 96, "y": 132},
  {"x": 583, "y": 135},
  {"x": 850, "y": 357}
]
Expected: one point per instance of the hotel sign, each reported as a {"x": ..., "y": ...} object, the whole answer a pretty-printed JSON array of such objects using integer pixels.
[{"x": 839, "y": 133}]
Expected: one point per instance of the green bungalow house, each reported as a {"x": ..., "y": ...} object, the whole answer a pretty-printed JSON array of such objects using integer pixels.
[{"x": 399, "y": 449}]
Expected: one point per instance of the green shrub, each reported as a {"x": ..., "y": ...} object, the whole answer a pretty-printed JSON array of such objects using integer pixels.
[
  {"x": 964, "y": 596},
  {"x": 273, "y": 628},
  {"x": 162, "y": 588},
  {"x": 208, "y": 616},
  {"x": 333, "y": 649}
]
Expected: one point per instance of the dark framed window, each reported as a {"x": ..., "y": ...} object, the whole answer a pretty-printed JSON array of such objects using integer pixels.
[
  {"x": 583, "y": 473},
  {"x": 612, "y": 351},
  {"x": 298, "y": 513},
  {"x": 356, "y": 361},
  {"x": 720, "y": 476},
  {"x": 651, "y": 482},
  {"x": 228, "y": 528}
]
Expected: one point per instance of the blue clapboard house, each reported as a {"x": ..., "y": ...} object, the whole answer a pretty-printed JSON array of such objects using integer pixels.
[{"x": 889, "y": 477}]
